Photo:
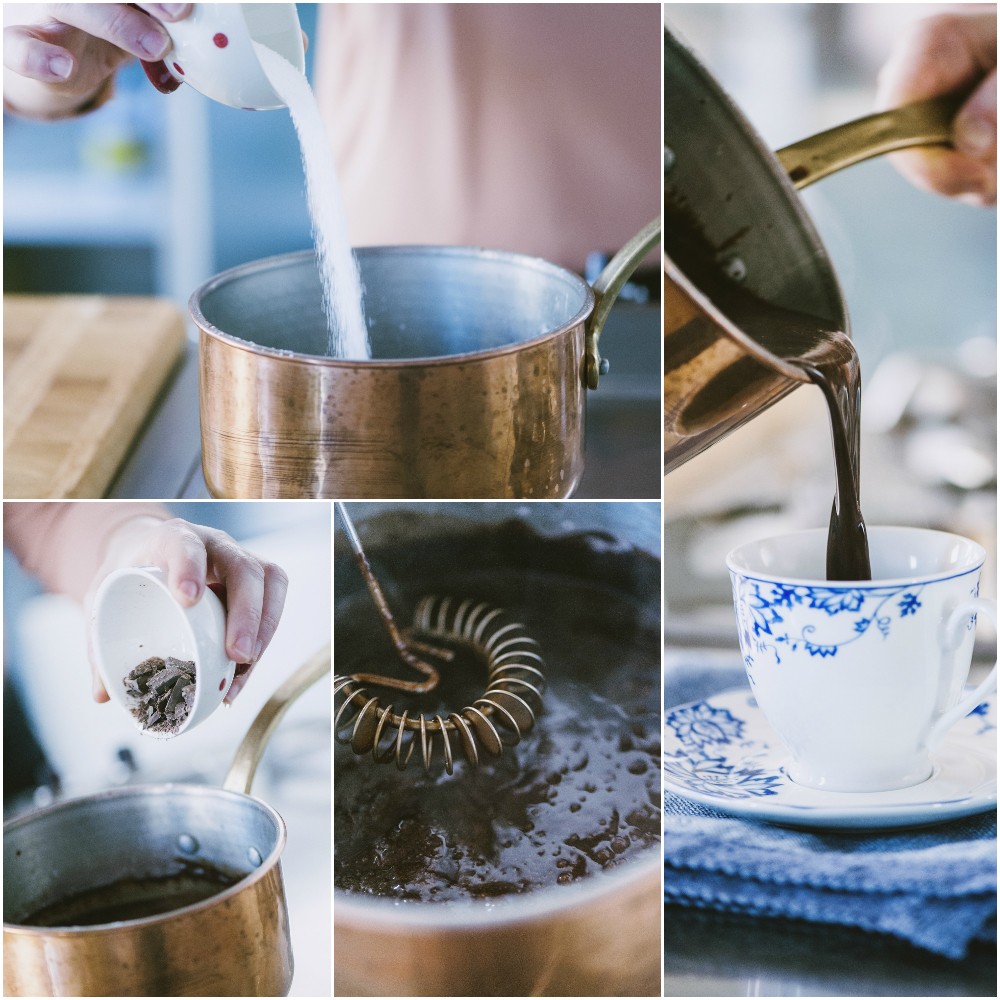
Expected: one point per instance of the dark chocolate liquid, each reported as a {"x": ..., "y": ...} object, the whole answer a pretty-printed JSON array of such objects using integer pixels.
[
  {"x": 133, "y": 898},
  {"x": 822, "y": 352},
  {"x": 579, "y": 794}
]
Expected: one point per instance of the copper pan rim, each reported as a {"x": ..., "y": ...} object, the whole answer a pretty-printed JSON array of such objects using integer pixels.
[
  {"x": 134, "y": 791},
  {"x": 772, "y": 361},
  {"x": 380, "y": 364},
  {"x": 540, "y": 904}
]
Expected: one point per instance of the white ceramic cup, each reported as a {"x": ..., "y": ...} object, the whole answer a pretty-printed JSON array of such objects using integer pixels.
[
  {"x": 213, "y": 50},
  {"x": 135, "y": 617},
  {"x": 861, "y": 680}
]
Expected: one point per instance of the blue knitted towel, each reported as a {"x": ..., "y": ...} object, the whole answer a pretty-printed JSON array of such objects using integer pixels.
[{"x": 934, "y": 887}]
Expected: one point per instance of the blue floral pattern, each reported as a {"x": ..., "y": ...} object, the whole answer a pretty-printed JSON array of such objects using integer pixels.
[
  {"x": 702, "y": 724},
  {"x": 768, "y": 614},
  {"x": 721, "y": 753},
  {"x": 702, "y": 729}
]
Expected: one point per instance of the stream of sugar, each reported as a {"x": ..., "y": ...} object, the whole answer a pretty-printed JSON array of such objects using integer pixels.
[{"x": 338, "y": 268}]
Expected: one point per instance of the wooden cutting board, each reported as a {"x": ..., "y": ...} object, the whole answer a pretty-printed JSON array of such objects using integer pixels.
[{"x": 80, "y": 374}]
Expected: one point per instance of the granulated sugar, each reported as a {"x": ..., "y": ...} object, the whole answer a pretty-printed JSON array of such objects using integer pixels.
[{"x": 342, "y": 291}]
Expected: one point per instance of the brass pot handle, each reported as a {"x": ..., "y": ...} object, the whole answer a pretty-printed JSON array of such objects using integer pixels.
[
  {"x": 248, "y": 755},
  {"x": 925, "y": 123},
  {"x": 606, "y": 288}
]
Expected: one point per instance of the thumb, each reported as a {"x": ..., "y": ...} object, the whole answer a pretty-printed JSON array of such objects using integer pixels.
[{"x": 976, "y": 123}]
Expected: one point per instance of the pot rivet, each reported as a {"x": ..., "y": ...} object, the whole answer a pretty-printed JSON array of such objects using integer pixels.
[
  {"x": 604, "y": 367},
  {"x": 668, "y": 159},
  {"x": 253, "y": 856},
  {"x": 187, "y": 844},
  {"x": 735, "y": 268}
]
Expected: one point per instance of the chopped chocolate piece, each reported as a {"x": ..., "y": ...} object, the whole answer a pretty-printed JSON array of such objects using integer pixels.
[{"x": 160, "y": 693}]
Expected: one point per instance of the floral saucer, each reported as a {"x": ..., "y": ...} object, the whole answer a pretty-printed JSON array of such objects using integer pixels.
[{"x": 722, "y": 753}]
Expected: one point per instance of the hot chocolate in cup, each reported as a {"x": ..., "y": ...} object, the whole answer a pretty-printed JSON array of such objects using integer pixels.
[{"x": 861, "y": 679}]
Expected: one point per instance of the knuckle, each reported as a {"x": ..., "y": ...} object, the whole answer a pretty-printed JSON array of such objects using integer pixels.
[
  {"x": 268, "y": 624},
  {"x": 939, "y": 34},
  {"x": 276, "y": 574},
  {"x": 121, "y": 26}
]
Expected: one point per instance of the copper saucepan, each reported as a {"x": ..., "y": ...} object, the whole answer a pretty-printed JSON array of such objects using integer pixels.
[
  {"x": 234, "y": 943},
  {"x": 477, "y": 387},
  {"x": 720, "y": 176},
  {"x": 599, "y": 937}
]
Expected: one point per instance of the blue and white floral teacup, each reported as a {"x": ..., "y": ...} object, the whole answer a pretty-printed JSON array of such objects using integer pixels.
[{"x": 861, "y": 680}]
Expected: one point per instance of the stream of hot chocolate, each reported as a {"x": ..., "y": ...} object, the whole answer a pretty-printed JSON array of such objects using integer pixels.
[
  {"x": 823, "y": 353},
  {"x": 829, "y": 359}
]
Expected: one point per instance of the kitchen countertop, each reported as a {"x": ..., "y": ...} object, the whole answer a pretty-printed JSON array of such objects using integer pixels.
[
  {"x": 708, "y": 954},
  {"x": 623, "y": 442}
]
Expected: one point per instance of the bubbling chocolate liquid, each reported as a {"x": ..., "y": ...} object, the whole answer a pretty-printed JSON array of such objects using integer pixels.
[
  {"x": 823, "y": 353},
  {"x": 579, "y": 794}
]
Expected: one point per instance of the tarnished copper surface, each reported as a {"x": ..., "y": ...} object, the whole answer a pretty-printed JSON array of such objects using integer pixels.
[
  {"x": 506, "y": 424},
  {"x": 734, "y": 201},
  {"x": 233, "y": 943},
  {"x": 237, "y": 946},
  {"x": 602, "y": 941}
]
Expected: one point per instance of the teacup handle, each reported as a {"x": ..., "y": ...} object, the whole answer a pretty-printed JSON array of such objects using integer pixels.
[{"x": 957, "y": 619}]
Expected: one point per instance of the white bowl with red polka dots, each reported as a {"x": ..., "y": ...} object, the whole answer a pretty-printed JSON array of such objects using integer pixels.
[
  {"x": 213, "y": 50},
  {"x": 135, "y": 617}
]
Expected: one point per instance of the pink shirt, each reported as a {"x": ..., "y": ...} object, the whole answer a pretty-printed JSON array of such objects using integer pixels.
[
  {"x": 529, "y": 127},
  {"x": 64, "y": 544}
]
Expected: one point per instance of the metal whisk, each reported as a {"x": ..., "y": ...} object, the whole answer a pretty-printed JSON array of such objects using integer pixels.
[{"x": 504, "y": 713}]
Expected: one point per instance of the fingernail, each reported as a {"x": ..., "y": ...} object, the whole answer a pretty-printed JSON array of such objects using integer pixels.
[
  {"x": 257, "y": 650},
  {"x": 155, "y": 44},
  {"x": 975, "y": 136},
  {"x": 61, "y": 67},
  {"x": 235, "y": 688},
  {"x": 985, "y": 195},
  {"x": 189, "y": 589},
  {"x": 172, "y": 9},
  {"x": 243, "y": 648}
]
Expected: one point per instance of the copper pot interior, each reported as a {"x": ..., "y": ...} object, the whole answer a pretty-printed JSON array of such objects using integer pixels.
[{"x": 138, "y": 832}]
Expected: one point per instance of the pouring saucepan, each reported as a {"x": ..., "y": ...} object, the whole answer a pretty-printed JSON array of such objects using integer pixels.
[
  {"x": 234, "y": 943},
  {"x": 476, "y": 388},
  {"x": 722, "y": 178}
]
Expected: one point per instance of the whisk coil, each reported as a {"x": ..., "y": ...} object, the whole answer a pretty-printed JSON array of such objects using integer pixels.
[{"x": 504, "y": 713}]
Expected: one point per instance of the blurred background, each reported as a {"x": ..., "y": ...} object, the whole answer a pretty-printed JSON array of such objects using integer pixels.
[
  {"x": 148, "y": 195},
  {"x": 59, "y": 743},
  {"x": 918, "y": 274},
  {"x": 152, "y": 195}
]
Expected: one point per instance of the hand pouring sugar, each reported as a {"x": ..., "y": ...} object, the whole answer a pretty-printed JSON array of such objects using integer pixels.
[{"x": 338, "y": 268}]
